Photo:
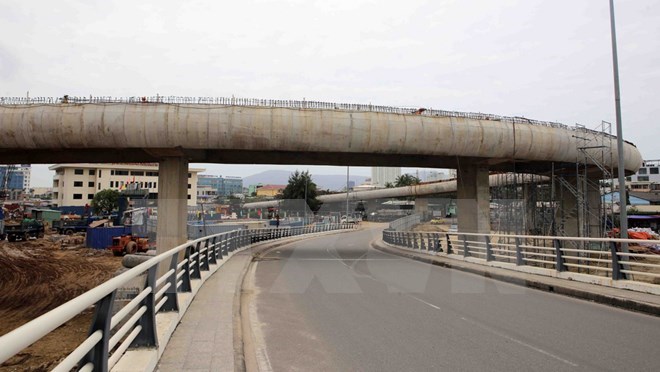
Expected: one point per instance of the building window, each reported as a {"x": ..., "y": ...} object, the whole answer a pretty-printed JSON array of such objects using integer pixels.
[
  {"x": 653, "y": 170},
  {"x": 643, "y": 178},
  {"x": 100, "y": 172},
  {"x": 99, "y": 186},
  {"x": 189, "y": 186},
  {"x": 155, "y": 186},
  {"x": 137, "y": 173},
  {"x": 642, "y": 171},
  {"x": 121, "y": 173},
  {"x": 90, "y": 196},
  {"x": 78, "y": 171},
  {"x": 90, "y": 184},
  {"x": 77, "y": 183},
  {"x": 629, "y": 179},
  {"x": 152, "y": 174},
  {"x": 92, "y": 172},
  {"x": 188, "y": 196},
  {"x": 189, "y": 175},
  {"x": 77, "y": 196}
]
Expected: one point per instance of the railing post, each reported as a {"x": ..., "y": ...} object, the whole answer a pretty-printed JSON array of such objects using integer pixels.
[
  {"x": 449, "y": 247},
  {"x": 559, "y": 260},
  {"x": 415, "y": 244},
  {"x": 213, "y": 255},
  {"x": 616, "y": 268},
  {"x": 489, "y": 249},
  {"x": 217, "y": 247},
  {"x": 197, "y": 274},
  {"x": 101, "y": 321},
  {"x": 436, "y": 242},
  {"x": 465, "y": 246},
  {"x": 172, "y": 303},
  {"x": 225, "y": 249},
  {"x": 519, "y": 257},
  {"x": 206, "y": 266},
  {"x": 185, "y": 284},
  {"x": 147, "y": 336}
]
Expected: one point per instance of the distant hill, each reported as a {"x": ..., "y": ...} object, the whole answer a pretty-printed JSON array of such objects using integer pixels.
[{"x": 323, "y": 181}]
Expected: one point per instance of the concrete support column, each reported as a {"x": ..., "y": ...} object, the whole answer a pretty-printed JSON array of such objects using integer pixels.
[
  {"x": 473, "y": 198},
  {"x": 581, "y": 216},
  {"x": 529, "y": 208},
  {"x": 172, "y": 203},
  {"x": 422, "y": 206}
]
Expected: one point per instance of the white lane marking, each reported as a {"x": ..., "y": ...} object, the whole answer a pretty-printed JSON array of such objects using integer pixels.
[
  {"x": 341, "y": 259},
  {"x": 519, "y": 342},
  {"x": 497, "y": 333},
  {"x": 424, "y": 302}
]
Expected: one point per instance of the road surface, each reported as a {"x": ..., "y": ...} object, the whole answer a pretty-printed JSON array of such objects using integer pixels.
[{"x": 333, "y": 303}]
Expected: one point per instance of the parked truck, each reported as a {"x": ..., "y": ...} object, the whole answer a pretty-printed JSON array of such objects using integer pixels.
[
  {"x": 69, "y": 227},
  {"x": 24, "y": 230}
]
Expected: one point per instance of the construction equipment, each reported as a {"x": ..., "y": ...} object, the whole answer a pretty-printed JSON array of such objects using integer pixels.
[
  {"x": 129, "y": 244},
  {"x": 24, "y": 230}
]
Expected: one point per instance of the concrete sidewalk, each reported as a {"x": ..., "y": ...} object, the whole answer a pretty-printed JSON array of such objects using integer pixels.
[
  {"x": 204, "y": 339},
  {"x": 626, "y": 299}
]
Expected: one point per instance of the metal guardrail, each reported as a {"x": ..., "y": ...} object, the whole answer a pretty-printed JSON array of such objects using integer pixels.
[
  {"x": 405, "y": 223},
  {"x": 134, "y": 325},
  {"x": 594, "y": 256},
  {"x": 293, "y": 104}
]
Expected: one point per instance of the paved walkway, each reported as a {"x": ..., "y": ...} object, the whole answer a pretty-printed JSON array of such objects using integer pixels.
[{"x": 204, "y": 339}]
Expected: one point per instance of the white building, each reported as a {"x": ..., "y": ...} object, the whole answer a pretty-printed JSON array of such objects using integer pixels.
[
  {"x": 646, "y": 179},
  {"x": 382, "y": 175},
  {"x": 26, "y": 171},
  {"x": 76, "y": 184}
]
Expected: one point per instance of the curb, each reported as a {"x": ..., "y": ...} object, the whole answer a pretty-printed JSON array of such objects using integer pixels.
[{"x": 534, "y": 283}]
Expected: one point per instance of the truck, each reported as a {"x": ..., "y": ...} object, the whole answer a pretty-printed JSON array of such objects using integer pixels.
[
  {"x": 69, "y": 227},
  {"x": 24, "y": 230}
]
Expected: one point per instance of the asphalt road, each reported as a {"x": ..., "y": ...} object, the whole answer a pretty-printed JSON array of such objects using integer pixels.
[{"x": 334, "y": 304}]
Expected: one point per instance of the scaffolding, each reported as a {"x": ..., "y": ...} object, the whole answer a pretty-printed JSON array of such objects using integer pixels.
[{"x": 563, "y": 202}]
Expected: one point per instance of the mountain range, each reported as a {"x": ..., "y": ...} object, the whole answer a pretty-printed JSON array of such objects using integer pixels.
[{"x": 323, "y": 181}]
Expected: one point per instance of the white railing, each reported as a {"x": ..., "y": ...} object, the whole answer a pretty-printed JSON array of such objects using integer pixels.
[
  {"x": 134, "y": 325},
  {"x": 595, "y": 256},
  {"x": 294, "y": 104}
]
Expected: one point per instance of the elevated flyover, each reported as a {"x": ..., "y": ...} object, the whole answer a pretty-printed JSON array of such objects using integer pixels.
[
  {"x": 249, "y": 131},
  {"x": 174, "y": 131}
]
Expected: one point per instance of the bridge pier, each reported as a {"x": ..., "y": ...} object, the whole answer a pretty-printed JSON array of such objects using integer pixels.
[
  {"x": 422, "y": 206},
  {"x": 171, "y": 229},
  {"x": 582, "y": 214},
  {"x": 473, "y": 198}
]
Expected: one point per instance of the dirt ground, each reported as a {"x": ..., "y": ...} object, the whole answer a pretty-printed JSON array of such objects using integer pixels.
[{"x": 37, "y": 276}]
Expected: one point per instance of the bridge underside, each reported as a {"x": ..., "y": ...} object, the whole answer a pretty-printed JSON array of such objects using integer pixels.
[{"x": 224, "y": 156}]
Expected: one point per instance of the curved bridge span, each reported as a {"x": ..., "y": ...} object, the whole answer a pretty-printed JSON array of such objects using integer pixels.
[{"x": 288, "y": 132}]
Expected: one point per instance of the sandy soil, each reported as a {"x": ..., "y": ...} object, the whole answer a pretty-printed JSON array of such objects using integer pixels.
[{"x": 37, "y": 276}]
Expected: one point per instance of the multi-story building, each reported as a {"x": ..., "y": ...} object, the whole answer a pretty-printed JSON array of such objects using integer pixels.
[
  {"x": 12, "y": 180},
  {"x": 224, "y": 186},
  {"x": 232, "y": 185},
  {"x": 383, "y": 175},
  {"x": 647, "y": 177},
  {"x": 76, "y": 184}
]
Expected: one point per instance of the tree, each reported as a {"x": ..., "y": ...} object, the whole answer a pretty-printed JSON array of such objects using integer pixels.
[
  {"x": 295, "y": 189},
  {"x": 406, "y": 180},
  {"x": 389, "y": 185},
  {"x": 105, "y": 201}
]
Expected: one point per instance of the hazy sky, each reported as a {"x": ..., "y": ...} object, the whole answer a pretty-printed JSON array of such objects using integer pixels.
[{"x": 548, "y": 60}]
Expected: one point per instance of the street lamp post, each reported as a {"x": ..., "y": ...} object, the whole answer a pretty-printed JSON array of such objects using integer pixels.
[{"x": 623, "y": 213}]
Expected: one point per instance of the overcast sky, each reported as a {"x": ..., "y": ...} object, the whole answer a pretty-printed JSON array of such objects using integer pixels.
[{"x": 547, "y": 60}]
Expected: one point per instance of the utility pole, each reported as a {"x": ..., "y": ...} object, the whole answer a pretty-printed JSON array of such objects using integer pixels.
[
  {"x": 347, "y": 189},
  {"x": 623, "y": 213}
]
